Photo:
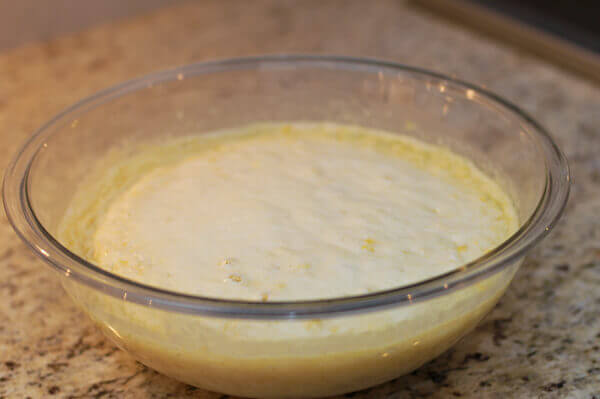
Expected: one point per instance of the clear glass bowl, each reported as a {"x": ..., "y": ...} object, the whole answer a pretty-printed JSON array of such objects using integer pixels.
[{"x": 288, "y": 349}]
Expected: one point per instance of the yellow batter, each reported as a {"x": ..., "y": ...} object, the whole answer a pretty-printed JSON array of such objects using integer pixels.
[{"x": 289, "y": 212}]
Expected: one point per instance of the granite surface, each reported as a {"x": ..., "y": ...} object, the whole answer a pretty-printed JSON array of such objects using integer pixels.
[{"x": 541, "y": 341}]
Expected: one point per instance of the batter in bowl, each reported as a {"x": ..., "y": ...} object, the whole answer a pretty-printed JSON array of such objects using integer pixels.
[{"x": 277, "y": 212}]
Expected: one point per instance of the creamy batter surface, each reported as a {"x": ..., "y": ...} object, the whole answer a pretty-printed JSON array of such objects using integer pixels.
[{"x": 291, "y": 212}]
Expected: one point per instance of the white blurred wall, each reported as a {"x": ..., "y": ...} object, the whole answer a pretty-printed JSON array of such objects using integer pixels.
[{"x": 23, "y": 21}]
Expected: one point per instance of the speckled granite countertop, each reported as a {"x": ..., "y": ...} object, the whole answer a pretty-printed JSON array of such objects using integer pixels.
[{"x": 542, "y": 340}]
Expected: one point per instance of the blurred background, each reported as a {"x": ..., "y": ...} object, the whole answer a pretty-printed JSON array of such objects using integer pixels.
[
  {"x": 564, "y": 32},
  {"x": 26, "y": 21}
]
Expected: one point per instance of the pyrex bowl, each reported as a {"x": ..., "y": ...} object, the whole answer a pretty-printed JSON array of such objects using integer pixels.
[{"x": 303, "y": 348}]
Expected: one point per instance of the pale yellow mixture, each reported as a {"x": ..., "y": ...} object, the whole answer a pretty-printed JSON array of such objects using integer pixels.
[{"x": 289, "y": 212}]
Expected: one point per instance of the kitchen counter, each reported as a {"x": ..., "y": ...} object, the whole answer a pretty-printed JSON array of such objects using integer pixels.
[{"x": 543, "y": 338}]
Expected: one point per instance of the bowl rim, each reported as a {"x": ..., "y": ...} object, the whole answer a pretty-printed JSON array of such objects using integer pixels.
[{"x": 23, "y": 220}]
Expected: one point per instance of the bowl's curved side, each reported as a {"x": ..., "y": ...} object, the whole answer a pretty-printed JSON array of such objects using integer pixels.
[{"x": 298, "y": 358}]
